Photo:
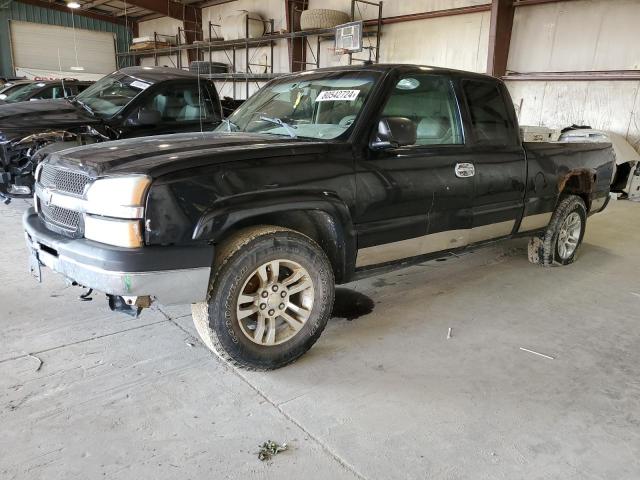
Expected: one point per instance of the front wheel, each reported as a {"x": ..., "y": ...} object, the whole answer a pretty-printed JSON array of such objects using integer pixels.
[
  {"x": 269, "y": 299},
  {"x": 560, "y": 242}
]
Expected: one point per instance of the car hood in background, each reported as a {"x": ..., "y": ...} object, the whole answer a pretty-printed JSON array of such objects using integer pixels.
[{"x": 41, "y": 115}]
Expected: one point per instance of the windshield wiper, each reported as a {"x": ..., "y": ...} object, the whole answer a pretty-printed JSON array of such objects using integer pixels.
[
  {"x": 284, "y": 125},
  {"x": 83, "y": 105},
  {"x": 230, "y": 124}
]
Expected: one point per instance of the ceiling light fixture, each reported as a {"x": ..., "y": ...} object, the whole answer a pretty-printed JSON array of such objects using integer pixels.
[{"x": 73, "y": 5}]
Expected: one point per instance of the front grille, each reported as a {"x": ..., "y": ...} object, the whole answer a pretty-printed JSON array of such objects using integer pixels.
[
  {"x": 65, "y": 181},
  {"x": 62, "y": 220}
]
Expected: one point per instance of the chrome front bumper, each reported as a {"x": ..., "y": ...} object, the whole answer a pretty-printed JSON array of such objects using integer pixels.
[{"x": 105, "y": 269}]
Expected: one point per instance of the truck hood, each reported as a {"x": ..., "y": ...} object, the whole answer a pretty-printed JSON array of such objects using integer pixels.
[
  {"x": 163, "y": 154},
  {"x": 41, "y": 115}
]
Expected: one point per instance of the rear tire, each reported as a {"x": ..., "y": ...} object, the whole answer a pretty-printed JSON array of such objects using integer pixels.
[
  {"x": 560, "y": 242},
  {"x": 269, "y": 298}
]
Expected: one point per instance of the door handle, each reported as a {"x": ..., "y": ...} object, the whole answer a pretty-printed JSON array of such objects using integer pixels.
[{"x": 465, "y": 170}]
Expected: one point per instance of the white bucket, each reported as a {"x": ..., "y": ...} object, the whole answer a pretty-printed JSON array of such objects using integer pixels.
[{"x": 234, "y": 26}]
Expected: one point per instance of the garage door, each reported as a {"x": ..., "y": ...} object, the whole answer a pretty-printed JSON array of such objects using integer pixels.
[{"x": 38, "y": 46}]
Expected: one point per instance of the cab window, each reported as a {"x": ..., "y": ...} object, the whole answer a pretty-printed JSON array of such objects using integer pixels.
[
  {"x": 491, "y": 123},
  {"x": 430, "y": 103},
  {"x": 53, "y": 92},
  {"x": 182, "y": 103}
]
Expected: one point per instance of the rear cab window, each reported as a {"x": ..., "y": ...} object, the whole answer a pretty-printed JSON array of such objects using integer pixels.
[{"x": 491, "y": 122}]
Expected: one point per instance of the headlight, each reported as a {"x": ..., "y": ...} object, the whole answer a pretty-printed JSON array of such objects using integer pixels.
[
  {"x": 123, "y": 191},
  {"x": 119, "y": 197},
  {"x": 114, "y": 210}
]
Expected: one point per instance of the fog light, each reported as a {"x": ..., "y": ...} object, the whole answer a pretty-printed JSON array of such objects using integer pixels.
[
  {"x": 19, "y": 190},
  {"x": 121, "y": 233}
]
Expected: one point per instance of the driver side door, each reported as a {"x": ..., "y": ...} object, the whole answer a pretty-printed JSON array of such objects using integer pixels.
[{"x": 412, "y": 199}]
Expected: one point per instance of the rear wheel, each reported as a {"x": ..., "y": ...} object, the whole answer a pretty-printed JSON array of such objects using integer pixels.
[
  {"x": 560, "y": 242},
  {"x": 269, "y": 298}
]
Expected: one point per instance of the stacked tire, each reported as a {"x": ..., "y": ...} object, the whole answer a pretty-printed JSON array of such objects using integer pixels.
[{"x": 322, "y": 18}]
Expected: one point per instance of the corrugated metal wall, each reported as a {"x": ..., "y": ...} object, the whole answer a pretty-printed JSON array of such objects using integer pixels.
[{"x": 31, "y": 13}]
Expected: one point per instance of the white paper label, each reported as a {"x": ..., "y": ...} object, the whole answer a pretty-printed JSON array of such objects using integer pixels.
[
  {"x": 337, "y": 95},
  {"x": 140, "y": 85}
]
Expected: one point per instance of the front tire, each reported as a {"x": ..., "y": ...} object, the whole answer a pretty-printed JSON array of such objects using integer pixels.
[
  {"x": 269, "y": 298},
  {"x": 560, "y": 242}
]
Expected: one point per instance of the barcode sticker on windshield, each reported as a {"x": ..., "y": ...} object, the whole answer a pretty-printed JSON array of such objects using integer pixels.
[
  {"x": 337, "y": 95},
  {"x": 140, "y": 85}
]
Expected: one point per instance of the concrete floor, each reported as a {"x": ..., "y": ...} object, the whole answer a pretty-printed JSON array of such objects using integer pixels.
[{"x": 383, "y": 394}]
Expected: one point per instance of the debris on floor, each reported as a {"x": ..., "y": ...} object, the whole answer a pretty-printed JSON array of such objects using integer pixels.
[
  {"x": 270, "y": 448},
  {"x": 537, "y": 353},
  {"x": 449, "y": 334}
]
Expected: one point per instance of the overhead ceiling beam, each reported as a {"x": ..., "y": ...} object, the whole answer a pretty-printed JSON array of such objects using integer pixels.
[
  {"x": 502, "y": 12},
  {"x": 212, "y": 3},
  {"x": 79, "y": 12},
  {"x": 524, "y": 3},
  {"x": 130, "y": 11},
  {"x": 95, "y": 3},
  {"x": 151, "y": 16},
  {"x": 448, "y": 12},
  {"x": 189, "y": 14}
]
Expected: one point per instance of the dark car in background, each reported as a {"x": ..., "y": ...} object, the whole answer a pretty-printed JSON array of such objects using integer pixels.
[
  {"x": 9, "y": 86},
  {"x": 6, "y": 81},
  {"x": 132, "y": 102},
  {"x": 43, "y": 90}
]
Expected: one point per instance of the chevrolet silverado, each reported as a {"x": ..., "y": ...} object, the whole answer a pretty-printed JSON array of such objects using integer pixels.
[{"x": 320, "y": 178}]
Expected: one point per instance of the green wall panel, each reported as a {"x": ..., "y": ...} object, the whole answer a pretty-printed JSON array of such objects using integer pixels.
[{"x": 24, "y": 12}]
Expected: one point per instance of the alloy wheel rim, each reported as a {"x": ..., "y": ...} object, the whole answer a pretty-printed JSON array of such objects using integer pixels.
[
  {"x": 569, "y": 235},
  {"x": 275, "y": 302}
]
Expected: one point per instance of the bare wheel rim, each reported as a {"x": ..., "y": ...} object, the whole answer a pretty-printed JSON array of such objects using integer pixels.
[
  {"x": 275, "y": 302},
  {"x": 569, "y": 235}
]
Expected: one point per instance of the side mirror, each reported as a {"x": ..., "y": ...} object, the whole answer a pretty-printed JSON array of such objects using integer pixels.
[
  {"x": 144, "y": 117},
  {"x": 394, "y": 132}
]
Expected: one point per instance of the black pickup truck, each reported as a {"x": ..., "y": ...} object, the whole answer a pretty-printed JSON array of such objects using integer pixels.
[
  {"x": 132, "y": 102},
  {"x": 320, "y": 178}
]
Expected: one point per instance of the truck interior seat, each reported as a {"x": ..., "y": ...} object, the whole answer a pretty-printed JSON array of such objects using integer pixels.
[
  {"x": 173, "y": 108},
  {"x": 159, "y": 104},
  {"x": 434, "y": 130},
  {"x": 191, "y": 109}
]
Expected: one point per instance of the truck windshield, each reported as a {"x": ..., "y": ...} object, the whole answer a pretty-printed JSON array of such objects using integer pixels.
[
  {"x": 315, "y": 105},
  {"x": 111, "y": 94}
]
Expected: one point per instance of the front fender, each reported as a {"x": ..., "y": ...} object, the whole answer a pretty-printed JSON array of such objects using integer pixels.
[
  {"x": 320, "y": 214},
  {"x": 216, "y": 221}
]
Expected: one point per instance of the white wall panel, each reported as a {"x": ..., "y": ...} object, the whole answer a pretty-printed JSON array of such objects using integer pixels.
[
  {"x": 607, "y": 105},
  {"x": 575, "y": 36},
  {"x": 459, "y": 42}
]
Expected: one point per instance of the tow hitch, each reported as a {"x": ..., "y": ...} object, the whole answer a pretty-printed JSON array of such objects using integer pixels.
[{"x": 129, "y": 305}]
